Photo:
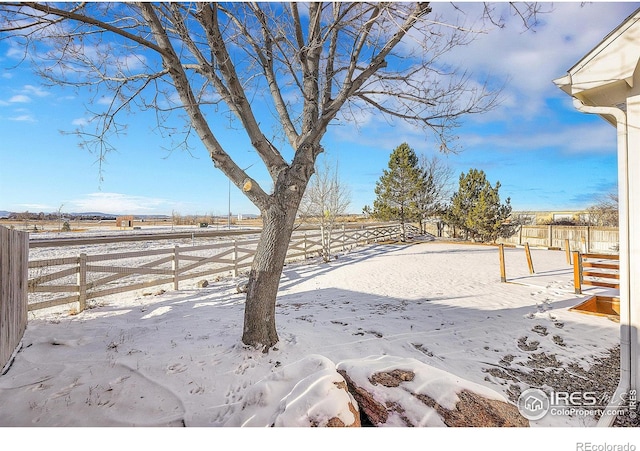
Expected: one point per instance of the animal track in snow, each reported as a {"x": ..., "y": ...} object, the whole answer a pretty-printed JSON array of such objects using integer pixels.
[{"x": 176, "y": 368}]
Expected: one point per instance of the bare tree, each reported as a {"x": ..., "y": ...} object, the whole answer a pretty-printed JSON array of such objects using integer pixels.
[
  {"x": 306, "y": 64},
  {"x": 60, "y": 218},
  {"x": 435, "y": 189},
  {"x": 605, "y": 212},
  {"x": 326, "y": 199}
]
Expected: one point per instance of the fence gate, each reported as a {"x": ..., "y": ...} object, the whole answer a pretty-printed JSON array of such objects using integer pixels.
[{"x": 14, "y": 272}]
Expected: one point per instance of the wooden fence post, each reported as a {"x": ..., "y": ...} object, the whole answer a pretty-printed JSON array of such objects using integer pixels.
[
  {"x": 343, "y": 238},
  {"x": 304, "y": 238},
  {"x": 503, "y": 272},
  {"x": 567, "y": 250},
  {"x": 577, "y": 272},
  {"x": 176, "y": 267},
  {"x": 529, "y": 261},
  {"x": 235, "y": 258},
  {"x": 82, "y": 282},
  {"x": 520, "y": 236}
]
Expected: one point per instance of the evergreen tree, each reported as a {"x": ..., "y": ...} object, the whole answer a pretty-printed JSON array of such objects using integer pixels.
[
  {"x": 398, "y": 187},
  {"x": 476, "y": 208}
]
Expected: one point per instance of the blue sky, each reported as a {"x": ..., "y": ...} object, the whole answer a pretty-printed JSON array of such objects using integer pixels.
[{"x": 546, "y": 155}]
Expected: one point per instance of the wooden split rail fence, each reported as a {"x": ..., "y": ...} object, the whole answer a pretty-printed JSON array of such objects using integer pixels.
[{"x": 78, "y": 279}]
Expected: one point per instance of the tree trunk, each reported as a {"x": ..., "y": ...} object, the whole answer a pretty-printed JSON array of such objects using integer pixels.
[
  {"x": 326, "y": 246},
  {"x": 264, "y": 279}
]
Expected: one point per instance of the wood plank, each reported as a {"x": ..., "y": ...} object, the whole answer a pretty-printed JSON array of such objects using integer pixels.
[
  {"x": 126, "y": 255},
  {"x": 53, "y": 262},
  {"x": 577, "y": 273},
  {"x": 245, "y": 257},
  {"x": 53, "y": 276},
  {"x": 114, "y": 277},
  {"x": 55, "y": 289},
  {"x": 503, "y": 274},
  {"x": 601, "y": 256},
  {"x": 132, "y": 287},
  {"x": 600, "y": 284},
  {"x": 601, "y": 265},
  {"x": 529, "y": 260},
  {"x": 295, "y": 255},
  {"x": 204, "y": 261},
  {"x": 200, "y": 274},
  {"x": 52, "y": 303},
  {"x": 128, "y": 270},
  {"x": 604, "y": 275}
]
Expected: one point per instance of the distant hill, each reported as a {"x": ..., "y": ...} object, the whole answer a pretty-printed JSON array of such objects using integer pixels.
[{"x": 85, "y": 215}]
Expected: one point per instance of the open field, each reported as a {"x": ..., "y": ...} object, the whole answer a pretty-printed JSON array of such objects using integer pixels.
[{"x": 78, "y": 226}]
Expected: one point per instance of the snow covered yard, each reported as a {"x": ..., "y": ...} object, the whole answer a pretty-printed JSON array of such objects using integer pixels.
[{"x": 175, "y": 358}]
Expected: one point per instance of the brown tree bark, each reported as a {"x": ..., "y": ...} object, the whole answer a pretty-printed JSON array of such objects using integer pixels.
[{"x": 264, "y": 279}]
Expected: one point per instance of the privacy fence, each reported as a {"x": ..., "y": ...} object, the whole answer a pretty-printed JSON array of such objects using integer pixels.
[
  {"x": 581, "y": 238},
  {"x": 14, "y": 256},
  {"x": 79, "y": 279}
]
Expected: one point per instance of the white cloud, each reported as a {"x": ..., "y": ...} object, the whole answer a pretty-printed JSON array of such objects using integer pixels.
[
  {"x": 531, "y": 60},
  {"x": 577, "y": 139},
  {"x": 23, "y": 118},
  {"x": 20, "y": 98},
  {"x": 34, "y": 90},
  {"x": 37, "y": 207},
  {"x": 14, "y": 51},
  {"x": 117, "y": 203},
  {"x": 80, "y": 121},
  {"x": 104, "y": 100},
  {"x": 526, "y": 62}
]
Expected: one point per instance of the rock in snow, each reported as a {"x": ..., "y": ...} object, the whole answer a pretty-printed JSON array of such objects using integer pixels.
[
  {"x": 390, "y": 391},
  {"x": 395, "y": 391},
  {"x": 203, "y": 283}
]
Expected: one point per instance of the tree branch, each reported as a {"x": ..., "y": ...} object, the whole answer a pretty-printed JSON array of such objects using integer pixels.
[{"x": 220, "y": 158}]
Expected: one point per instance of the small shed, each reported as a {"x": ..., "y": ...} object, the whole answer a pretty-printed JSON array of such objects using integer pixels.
[{"x": 124, "y": 221}]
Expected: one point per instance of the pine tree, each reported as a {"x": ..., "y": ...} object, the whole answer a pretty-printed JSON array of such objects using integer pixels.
[
  {"x": 476, "y": 208},
  {"x": 398, "y": 188}
]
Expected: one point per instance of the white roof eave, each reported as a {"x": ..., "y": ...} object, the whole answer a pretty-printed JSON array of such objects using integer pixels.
[{"x": 606, "y": 65}]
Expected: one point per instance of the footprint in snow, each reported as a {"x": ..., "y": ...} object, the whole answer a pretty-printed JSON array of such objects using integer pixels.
[
  {"x": 524, "y": 345},
  {"x": 540, "y": 330},
  {"x": 176, "y": 368}
]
